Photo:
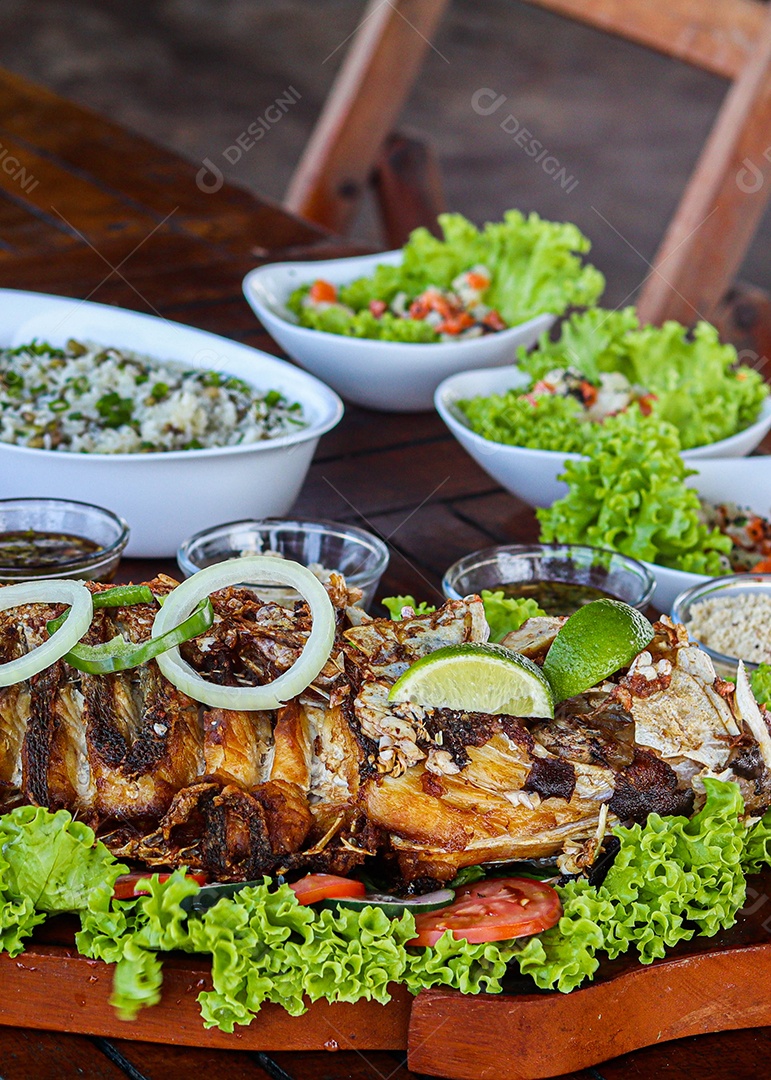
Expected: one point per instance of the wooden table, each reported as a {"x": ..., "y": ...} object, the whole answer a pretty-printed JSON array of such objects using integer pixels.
[{"x": 89, "y": 210}]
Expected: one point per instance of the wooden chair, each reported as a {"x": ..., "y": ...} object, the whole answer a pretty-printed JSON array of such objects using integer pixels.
[
  {"x": 721, "y": 206},
  {"x": 352, "y": 138}
]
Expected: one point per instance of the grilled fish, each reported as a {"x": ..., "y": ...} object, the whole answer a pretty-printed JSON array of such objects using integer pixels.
[{"x": 340, "y": 773}]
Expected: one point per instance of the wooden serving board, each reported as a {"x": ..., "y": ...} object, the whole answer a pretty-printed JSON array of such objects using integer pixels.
[{"x": 705, "y": 985}]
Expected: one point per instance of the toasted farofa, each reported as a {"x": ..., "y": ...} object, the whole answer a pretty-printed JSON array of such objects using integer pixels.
[
  {"x": 88, "y": 398},
  {"x": 738, "y": 626}
]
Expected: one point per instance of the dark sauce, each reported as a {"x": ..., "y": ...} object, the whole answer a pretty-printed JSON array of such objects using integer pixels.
[
  {"x": 554, "y": 597},
  {"x": 42, "y": 550}
]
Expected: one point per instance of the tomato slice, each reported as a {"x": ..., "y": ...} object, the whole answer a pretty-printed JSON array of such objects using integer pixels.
[
  {"x": 126, "y": 885},
  {"x": 493, "y": 910},
  {"x": 315, "y": 887}
]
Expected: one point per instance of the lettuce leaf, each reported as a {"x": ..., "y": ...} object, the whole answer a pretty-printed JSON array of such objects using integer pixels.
[
  {"x": 459, "y": 965},
  {"x": 54, "y": 861},
  {"x": 48, "y": 864},
  {"x": 264, "y": 946},
  {"x": 505, "y": 614},
  {"x": 591, "y": 341},
  {"x": 546, "y": 423},
  {"x": 628, "y": 494},
  {"x": 760, "y": 680},
  {"x": 394, "y": 605},
  {"x": 757, "y": 849}
]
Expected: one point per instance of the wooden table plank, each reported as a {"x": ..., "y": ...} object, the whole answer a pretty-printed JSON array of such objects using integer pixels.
[
  {"x": 158, "y": 1061},
  {"x": 148, "y": 181},
  {"x": 46, "y": 1055},
  {"x": 738, "y": 1055},
  {"x": 391, "y": 479},
  {"x": 432, "y": 539}
]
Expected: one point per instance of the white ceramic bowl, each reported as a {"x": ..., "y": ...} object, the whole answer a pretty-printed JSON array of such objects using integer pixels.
[
  {"x": 389, "y": 375},
  {"x": 531, "y": 475},
  {"x": 165, "y": 496}
]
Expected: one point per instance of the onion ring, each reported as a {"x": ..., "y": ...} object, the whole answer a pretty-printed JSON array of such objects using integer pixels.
[
  {"x": 56, "y": 591},
  {"x": 254, "y": 569}
]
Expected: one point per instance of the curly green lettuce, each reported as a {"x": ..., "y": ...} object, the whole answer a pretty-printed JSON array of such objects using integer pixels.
[
  {"x": 628, "y": 494},
  {"x": 48, "y": 864},
  {"x": 760, "y": 680},
  {"x": 394, "y": 605},
  {"x": 264, "y": 946},
  {"x": 545, "y": 423},
  {"x": 535, "y": 266}
]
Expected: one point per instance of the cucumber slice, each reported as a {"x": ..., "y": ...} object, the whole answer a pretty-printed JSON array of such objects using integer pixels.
[{"x": 393, "y": 906}]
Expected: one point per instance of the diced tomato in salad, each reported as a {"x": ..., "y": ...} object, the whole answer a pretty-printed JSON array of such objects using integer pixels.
[
  {"x": 495, "y": 910},
  {"x": 477, "y": 281},
  {"x": 323, "y": 292},
  {"x": 454, "y": 312}
]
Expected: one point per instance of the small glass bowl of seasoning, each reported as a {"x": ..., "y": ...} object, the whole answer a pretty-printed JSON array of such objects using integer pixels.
[
  {"x": 59, "y": 538},
  {"x": 730, "y": 619},
  {"x": 320, "y": 545},
  {"x": 559, "y": 577}
]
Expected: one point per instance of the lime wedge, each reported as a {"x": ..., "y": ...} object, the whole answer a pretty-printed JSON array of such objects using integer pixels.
[
  {"x": 476, "y": 678},
  {"x": 595, "y": 642}
]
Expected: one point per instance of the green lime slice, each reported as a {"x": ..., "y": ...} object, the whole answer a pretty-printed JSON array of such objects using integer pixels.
[
  {"x": 476, "y": 678},
  {"x": 595, "y": 642}
]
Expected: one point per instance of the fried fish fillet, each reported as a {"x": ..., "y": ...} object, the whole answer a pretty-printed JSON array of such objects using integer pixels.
[{"x": 340, "y": 773}]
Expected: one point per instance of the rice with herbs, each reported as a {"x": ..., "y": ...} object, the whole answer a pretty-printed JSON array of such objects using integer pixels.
[
  {"x": 88, "y": 398},
  {"x": 737, "y": 626}
]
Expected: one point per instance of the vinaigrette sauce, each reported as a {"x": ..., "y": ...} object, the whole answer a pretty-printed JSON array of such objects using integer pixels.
[{"x": 554, "y": 597}]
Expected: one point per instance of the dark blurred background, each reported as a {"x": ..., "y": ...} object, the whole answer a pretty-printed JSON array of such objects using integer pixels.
[{"x": 625, "y": 123}]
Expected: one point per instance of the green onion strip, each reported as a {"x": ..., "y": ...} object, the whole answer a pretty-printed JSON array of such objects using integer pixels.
[{"x": 120, "y": 655}]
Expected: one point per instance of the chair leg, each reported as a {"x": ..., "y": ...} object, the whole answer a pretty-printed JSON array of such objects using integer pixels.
[
  {"x": 743, "y": 317},
  {"x": 722, "y": 205},
  {"x": 375, "y": 79},
  {"x": 408, "y": 188}
]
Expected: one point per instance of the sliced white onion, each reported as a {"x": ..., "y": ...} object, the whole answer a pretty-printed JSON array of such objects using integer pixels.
[
  {"x": 255, "y": 570},
  {"x": 69, "y": 633}
]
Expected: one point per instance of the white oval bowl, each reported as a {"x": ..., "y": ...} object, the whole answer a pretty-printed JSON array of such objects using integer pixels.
[
  {"x": 531, "y": 475},
  {"x": 166, "y": 496},
  {"x": 392, "y": 376}
]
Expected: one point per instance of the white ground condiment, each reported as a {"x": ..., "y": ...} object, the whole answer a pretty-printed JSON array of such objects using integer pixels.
[{"x": 738, "y": 625}]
